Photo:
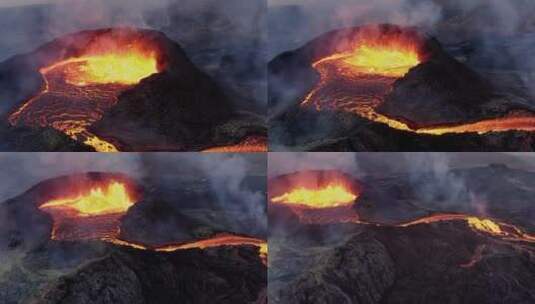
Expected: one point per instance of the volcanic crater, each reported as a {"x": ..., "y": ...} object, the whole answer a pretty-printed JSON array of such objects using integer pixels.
[
  {"x": 118, "y": 89},
  {"x": 385, "y": 87},
  {"x": 93, "y": 232}
]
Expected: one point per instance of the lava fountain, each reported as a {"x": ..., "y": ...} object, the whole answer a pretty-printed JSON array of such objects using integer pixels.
[
  {"x": 79, "y": 89},
  {"x": 317, "y": 196},
  {"x": 90, "y": 213},
  {"x": 357, "y": 76}
]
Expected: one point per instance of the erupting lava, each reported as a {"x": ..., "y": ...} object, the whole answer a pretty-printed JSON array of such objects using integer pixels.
[
  {"x": 332, "y": 195},
  {"x": 78, "y": 90},
  {"x": 358, "y": 79},
  {"x": 90, "y": 214},
  {"x": 389, "y": 58},
  {"x": 317, "y": 196},
  {"x": 113, "y": 199}
]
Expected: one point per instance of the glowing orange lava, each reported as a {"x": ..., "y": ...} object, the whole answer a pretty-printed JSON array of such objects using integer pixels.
[
  {"x": 484, "y": 225},
  {"x": 359, "y": 79},
  {"x": 223, "y": 239},
  {"x": 90, "y": 213},
  {"x": 97, "y": 201},
  {"x": 128, "y": 68},
  {"x": 329, "y": 196},
  {"x": 384, "y": 57},
  {"x": 248, "y": 145},
  {"x": 78, "y": 90}
]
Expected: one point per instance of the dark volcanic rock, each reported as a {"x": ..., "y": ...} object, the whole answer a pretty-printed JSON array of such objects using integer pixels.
[
  {"x": 416, "y": 264},
  {"x": 124, "y": 275},
  {"x": 438, "y": 91},
  {"x": 23, "y": 139},
  {"x": 359, "y": 272}
]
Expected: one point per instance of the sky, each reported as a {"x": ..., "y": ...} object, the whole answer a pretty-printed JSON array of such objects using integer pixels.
[{"x": 12, "y": 3}]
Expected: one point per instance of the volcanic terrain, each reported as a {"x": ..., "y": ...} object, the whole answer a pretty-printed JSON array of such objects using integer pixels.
[
  {"x": 387, "y": 88},
  {"x": 107, "y": 238},
  {"x": 118, "y": 89},
  {"x": 408, "y": 240}
]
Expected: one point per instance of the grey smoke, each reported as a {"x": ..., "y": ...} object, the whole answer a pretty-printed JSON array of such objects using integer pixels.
[
  {"x": 287, "y": 162},
  {"x": 20, "y": 171},
  {"x": 499, "y": 35}
]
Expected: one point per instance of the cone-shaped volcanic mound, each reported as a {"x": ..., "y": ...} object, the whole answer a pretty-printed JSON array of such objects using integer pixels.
[
  {"x": 119, "y": 89},
  {"x": 360, "y": 88}
]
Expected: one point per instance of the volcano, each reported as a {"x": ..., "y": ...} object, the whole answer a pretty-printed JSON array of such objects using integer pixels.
[
  {"x": 119, "y": 89},
  {"x": 388, "y": 88},
  {"x": 399, "y": 247},
  {"x": 100, "y": 236}
]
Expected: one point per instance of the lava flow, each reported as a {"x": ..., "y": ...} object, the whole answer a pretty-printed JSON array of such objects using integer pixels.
[
  {"x": 317, "y": 196},
  {"x": 247, "y": 145},
  {"x": 78, "y": 90},
  {"x": 223, "y": 239},
  {"x": 483, "y": 225},
  {"x": 358, "y": 79}
]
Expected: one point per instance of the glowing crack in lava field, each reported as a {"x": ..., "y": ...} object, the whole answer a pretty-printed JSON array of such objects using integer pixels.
[
  {"x": 358, "y": 78},
  {"x": 78, "y": 90}
]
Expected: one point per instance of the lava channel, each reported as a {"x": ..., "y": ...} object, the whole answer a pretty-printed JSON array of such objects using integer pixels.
[
  {"x": 358, "y": 80},
  {"x": 95, "y": 214},
  {"x": 77, "y": 91},
  {"x": 486, "y": 226}
]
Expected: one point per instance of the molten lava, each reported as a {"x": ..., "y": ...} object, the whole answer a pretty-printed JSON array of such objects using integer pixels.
[
  {"x": 98, "y": 201},
  {"x": 248, "y": 145},
  {"x": 390, "y": 58},
  {"x": 358, "y": 79},
  {"x": 319, "y": 197},
  {"x": 93, "y": 213},
  {"x": 223, "y": 239},
  {"x": 78, "y": 90},
  {"x": 483, "y": 225},
  {"x": 332, "y": 195}
]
